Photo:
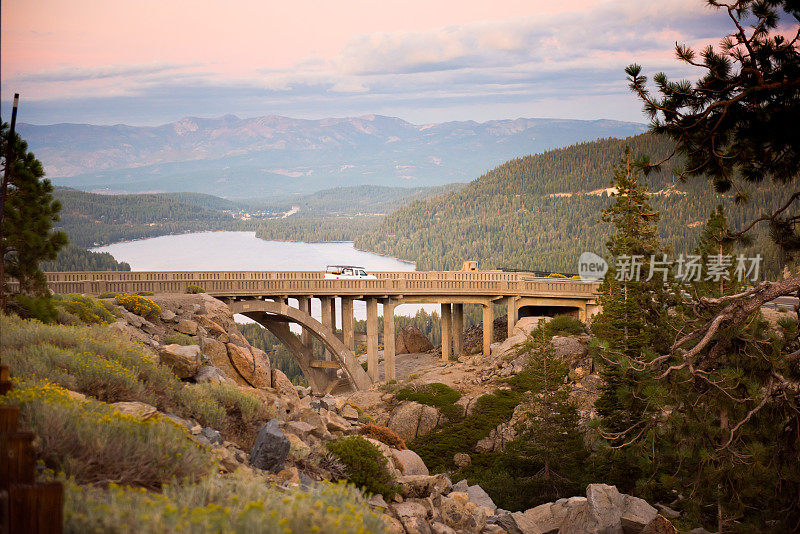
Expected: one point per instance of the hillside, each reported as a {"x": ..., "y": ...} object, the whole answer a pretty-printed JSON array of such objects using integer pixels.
[
  {"x": 541, "y": 211},
  {"x": 264, "y": 156}
]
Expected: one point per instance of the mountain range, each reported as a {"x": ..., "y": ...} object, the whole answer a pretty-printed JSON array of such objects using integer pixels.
[{"x": 264, "y": 156}]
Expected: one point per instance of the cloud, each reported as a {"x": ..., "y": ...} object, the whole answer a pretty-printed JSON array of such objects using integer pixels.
[
  {"x": 569, "y": 57},
  {"x": 77, "y": 74}
]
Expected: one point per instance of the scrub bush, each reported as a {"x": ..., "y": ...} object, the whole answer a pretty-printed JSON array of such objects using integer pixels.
[
  {"x": 139, "y": 305},
  {"x": 365, "y": 463}
]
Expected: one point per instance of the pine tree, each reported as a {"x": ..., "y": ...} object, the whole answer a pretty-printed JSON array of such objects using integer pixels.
[
  {"x": 29, "y": 211},
  {"x": 630, "y": 325}
]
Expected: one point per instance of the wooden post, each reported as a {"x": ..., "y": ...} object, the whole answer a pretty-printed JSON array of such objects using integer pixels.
[{"x": 25, "y": 505}]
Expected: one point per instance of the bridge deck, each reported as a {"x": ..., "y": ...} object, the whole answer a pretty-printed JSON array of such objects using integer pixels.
[{"x": 266, "y": 283}]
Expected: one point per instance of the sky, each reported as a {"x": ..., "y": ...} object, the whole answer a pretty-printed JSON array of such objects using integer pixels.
[{"x": 149, "y": 62}]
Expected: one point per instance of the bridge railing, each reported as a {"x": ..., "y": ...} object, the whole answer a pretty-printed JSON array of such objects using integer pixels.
[{"x": 265, "y": 283}]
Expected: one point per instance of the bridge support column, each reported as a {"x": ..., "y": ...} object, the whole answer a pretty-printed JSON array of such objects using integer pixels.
[
  {"x": 304, "y": 305},
  {"x": 512, "y": 314},
  {"x": 488, "y": 329},
  {"x": 447, "y": 332},
  {"x": 348, "y": 324},
  {"x": 325, "y": 306},
  {"x": 582, "y": 316},
  {"x": 372, "y": 339},
  {"x": 458, "y": 330},
  {"x": 388, "y": 341}
]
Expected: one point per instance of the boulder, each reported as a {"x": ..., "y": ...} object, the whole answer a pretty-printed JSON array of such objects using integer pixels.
[
  {"x": 526, "y": 325},
  {"x": 659, "y": 525},
  {"x": 408, "y": 509},
  {"x": 213, "y": 328},
  {"x": 516, "y": 523},
  {"x": 549, "y": 517},
  {"x": 479, "y": 496},
  {"x": 167, "y": 315},
  {"x": 568, "y": 348},
  {"x": 284, "y": 386},
  {"x": 606, "y": 510},
  {"x": 411, "y": 340},
  {"x": 183, "y": 359},
  {"x": 409, "y": 462},
  {"x": 461, "y": 486},
  {"x": 460, "y": 514},
  {"x": 461, "y": 459},
  {"x": 419, "y": 486},
  {"x": 411, "y": 419},
  {"x": 187, "y": 326},
  {"x": 300, "y": 428},
  {"x": 336, "y": 423},
  {"x": 212, "y": 436},
  {"x": 636, "y": 514},
  {"x": 415, "y": 525},
  {"x": 298, "y": 449},
  {"x": 136, "y": 409},
  {"x": 217, "y": 355},
  {"x": 211, "y": 375},
  {"x": 290, "y": 475},
  {"x": 349, "y": 412},
  {"x": 507, "y": 346},
  {"x": 441, "y": 528},
  {"x": 270, "y": 448},
  {"x": 253, "y": 365}
]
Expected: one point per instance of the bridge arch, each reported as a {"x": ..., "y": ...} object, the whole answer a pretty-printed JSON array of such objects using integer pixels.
[{"x": 275, "y": 316}]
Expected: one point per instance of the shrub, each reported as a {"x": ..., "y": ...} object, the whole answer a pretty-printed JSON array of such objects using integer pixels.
[
  {"x": 86, "y": 309},
  {"x": 93, "y": 361},
  {"x": 240, "y": 503},
  {"x": 139, "y": 305},
  {"x": 564, "y": 325},
  {"x": 437, "y": 448},
  {"x": 39, "y": 308},
  {"x": 194, "y": 289},
  {"x": 108, "y": 295},
  {"x": 384, "y": 435},
  {"x": 435, "y": 394},
  {"x": 145, "y": 293},
  {"x": 94, "y": 443},
  {"x": 179, "y": 338},
  {"x": 236, "y": 414},
  {"x": 365, "y": 463}
]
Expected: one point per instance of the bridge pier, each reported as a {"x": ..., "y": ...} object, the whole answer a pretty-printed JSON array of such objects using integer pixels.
[
  {"x": 372, "y": 339},
  {"x": 458, "y": 330},
  {"x": 488, "y": 329},
  {"x": 447, "y": 331},
  {"x": 304, "y": 305},
  {"x": 389, "y": 372},
  {"x": 348, "y": 324},
  {"x": 512, "y": 314}
]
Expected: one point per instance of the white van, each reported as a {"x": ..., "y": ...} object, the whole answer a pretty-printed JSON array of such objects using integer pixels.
[{"x": 347, "y": 272}]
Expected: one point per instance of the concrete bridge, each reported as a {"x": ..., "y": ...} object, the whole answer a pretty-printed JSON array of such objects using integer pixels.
[{"x": 264, "y": 297}]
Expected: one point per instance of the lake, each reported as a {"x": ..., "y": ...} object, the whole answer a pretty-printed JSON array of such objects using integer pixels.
[{"x": 243, "y": 251}]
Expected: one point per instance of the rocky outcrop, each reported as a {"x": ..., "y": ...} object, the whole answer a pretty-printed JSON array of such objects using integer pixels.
[
  {"x": 219, "y": 344},
  {"x": 410, "y": 340}
]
